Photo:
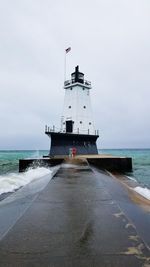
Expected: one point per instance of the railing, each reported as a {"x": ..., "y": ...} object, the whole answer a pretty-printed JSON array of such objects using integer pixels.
[
  {"x": 76, "y": 131},
  {"x": 69, "y": 82}
]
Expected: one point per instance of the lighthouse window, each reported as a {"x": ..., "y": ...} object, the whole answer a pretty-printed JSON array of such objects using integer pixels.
[
  {"x": 90, "y": 123},
  {"x": 69, "y": 106},
  {"x": 80, "y": 122},
  {"x": 84, "y": 106},
  {"x": 71, "y": 88},
  {"x": 83, "y": 88}
]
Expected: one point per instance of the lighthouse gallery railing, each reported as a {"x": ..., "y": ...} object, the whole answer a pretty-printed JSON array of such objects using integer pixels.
[{"x": 54, "y": 129}]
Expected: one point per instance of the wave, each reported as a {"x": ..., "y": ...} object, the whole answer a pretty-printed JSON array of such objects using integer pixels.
[
  {"x": 9, "y": 163},
  {"x": 144, "y": 191},
  {"x": 12, "y": 181},
  {"x": 131, "y": 178}
]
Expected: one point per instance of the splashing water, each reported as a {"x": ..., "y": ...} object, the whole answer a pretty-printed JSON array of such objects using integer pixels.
[
  {"x": 145, "y": 192},
  {"x": 12, "y": 181}
]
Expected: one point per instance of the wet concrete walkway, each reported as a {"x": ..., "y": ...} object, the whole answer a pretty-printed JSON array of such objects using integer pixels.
[{"x": 81, "y": 218}]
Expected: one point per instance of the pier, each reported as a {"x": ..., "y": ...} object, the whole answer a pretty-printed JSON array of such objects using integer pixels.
[
  {"x": 82, "y": 217},
  {"x": 101, "y": 161}
]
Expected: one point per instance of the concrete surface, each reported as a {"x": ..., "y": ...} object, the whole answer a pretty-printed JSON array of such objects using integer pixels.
[
  {"x": 82, "y": 217},
  {"x": 109, "y": 162}
]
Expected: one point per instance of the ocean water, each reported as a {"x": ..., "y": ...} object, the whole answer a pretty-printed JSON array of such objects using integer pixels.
[
  {"x": 141, "y": 163},
  {"x": 10, "y": 179},
  {"x": 9, "y": 159}
]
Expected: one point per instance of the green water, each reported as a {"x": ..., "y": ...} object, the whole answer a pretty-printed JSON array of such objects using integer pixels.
[{"x": 141, "y": 163}]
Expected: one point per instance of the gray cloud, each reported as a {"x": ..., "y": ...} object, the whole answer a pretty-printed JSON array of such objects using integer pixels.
[{"x": 110, "y": 41}]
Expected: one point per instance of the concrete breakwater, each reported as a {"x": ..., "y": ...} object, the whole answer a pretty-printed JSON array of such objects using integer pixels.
[
  {"x": 105, "y": 162},
  {"x": 82, "y": 217}
]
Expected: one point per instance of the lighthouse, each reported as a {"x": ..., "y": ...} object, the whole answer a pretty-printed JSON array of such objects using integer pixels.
[
  {"x": 77, "y": 126},
  {"x": 76, "y": 134}
]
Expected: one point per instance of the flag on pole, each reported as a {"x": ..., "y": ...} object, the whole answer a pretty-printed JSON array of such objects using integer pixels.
[{"x": 68, "y": 50}]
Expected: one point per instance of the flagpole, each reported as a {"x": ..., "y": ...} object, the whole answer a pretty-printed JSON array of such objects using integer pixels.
[
  {"x": 65, "y": 61},
  {"x": 65, "y": 67}
]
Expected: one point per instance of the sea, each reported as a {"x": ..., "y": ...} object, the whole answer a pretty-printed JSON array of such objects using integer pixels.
[{"x": 11, "y": 179}]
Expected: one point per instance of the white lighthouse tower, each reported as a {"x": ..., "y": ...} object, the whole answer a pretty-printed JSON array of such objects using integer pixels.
[
  {"x": 77, "y": 113},
  {"x": 77, "y": 126}
]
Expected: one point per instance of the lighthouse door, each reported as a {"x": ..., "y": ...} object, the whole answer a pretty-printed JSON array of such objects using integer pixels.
[{"x": 69, "y": 126}]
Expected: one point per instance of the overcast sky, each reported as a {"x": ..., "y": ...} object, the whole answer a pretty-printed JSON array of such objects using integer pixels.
[{"x": 110, "y": 41}]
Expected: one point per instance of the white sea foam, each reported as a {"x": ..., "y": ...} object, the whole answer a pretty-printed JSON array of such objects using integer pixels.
[
  {"x": 131, "y": 178},
  {"x": 145, "y": 192},
  {"x": 12, "y": 181}
]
